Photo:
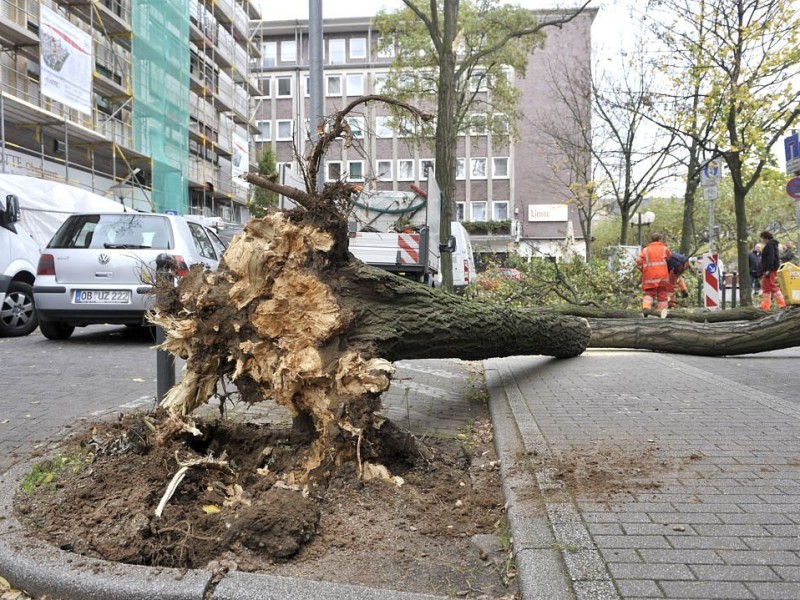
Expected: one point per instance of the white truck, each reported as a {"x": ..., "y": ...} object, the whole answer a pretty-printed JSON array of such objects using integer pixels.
[
  {"x": 31, "y": 210},
  {"x": 399, "y": 232}
]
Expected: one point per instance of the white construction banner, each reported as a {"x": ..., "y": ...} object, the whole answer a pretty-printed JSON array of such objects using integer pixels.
[
  {"x": 240, "y": 160},
  {"x": 66, "y": 61}
]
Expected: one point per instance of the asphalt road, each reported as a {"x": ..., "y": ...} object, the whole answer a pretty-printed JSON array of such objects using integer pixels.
[{"x": 49, "y": 387}]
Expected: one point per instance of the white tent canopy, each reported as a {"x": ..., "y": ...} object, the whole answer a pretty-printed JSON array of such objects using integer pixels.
[{"x": 45, "y": 205}]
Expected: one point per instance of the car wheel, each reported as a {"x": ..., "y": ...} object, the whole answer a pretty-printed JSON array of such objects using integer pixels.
[
  {"x": 55, "y": 330},
  {"x": 18, "y": 312}
]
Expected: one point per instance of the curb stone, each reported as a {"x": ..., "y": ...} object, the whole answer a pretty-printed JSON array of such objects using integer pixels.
[{"x": 540, "y": 567}]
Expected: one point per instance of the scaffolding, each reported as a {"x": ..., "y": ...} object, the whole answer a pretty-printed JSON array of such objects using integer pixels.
[{"x": 161, "y": 92}]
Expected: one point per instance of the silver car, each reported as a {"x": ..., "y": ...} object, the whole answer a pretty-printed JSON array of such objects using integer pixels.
[{"x": 100, "y": 267}]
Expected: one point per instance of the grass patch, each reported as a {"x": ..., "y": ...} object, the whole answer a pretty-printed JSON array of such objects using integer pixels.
[{"x": 46, "y": 472}]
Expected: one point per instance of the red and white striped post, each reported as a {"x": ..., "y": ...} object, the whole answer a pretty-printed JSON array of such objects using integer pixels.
[{"x": 711, "y": 281}]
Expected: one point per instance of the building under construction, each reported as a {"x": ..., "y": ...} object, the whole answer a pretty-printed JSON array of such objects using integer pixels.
[{"x": 145, "y": 101}]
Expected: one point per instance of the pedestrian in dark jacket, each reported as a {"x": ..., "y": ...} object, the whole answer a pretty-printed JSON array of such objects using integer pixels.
[
  {"x": 770, "y": 263},
  {"x": 754, "y": 259}
]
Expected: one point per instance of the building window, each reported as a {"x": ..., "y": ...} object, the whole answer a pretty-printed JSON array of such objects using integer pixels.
[
  {"x": 461, "y": 168},
  {"x": 477, "y": 124},
  {"x": 284, "y": 87},
  {"x": 307, "y": 83},
  {"x": 382, "y": 127},
  {"x": 405, "y": 170},
  {"x": 280, "y": 167},
  {"x": 405, "y": 128},
  {"x": 355, "y": 84},
  {"x": 478, "y": 210},
  {"x": 379, "y": 82},
  {"x": 383, "y": 170},
  {"x": 500, "y": 168},
  {"x": 269, "y": 54},
  {"x": 333, "y": 170},
  {"x": 425, "y": 165},
  {"x": 386, "y": 51},
  {"x": 477, "y": 168},
  {"x": 358, "y": 47},
  {"x": 265, "y": 131},
  {"x": 500, "y": 211},
  {"x": 285, "y": 129},
  {"x": 355, "y": 170},
  {"x": 289, "y": 51},
  {"x": 333, "y": 85},
  {"x": 265, "y": 86},
  {"x": 336, "y": 51},
  {"x": 460, "y": 211},
  {"x": 356, "y": 126}
]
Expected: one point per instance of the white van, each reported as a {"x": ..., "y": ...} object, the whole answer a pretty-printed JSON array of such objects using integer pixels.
[
  {"x": 463, "y": 259},
  {"x": 19, "y": 254}
]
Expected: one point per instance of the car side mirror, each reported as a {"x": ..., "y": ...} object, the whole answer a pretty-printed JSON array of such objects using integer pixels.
[
  {"x": 10, "y": 213},
  {"x": 450, "y": 246}
]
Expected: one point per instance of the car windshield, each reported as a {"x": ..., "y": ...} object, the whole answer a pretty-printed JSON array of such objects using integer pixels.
[{"x": 123, "y": 230}]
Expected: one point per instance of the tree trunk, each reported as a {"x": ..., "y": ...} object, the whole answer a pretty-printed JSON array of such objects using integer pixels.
[
  {"x": 402, "y": 319},
  {"x": 773, "y": 332}
]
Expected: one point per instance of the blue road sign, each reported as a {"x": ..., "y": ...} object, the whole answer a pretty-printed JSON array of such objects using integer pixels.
[
  {"x": 793, "y": 188},
  {"x": 791, "y": 147}
]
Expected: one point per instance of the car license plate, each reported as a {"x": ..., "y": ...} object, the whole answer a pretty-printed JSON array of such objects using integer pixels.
[{"x": 102, "y": 296}]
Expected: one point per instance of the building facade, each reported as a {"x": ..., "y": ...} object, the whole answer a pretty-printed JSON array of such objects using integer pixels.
[
  {"x": 145, "y": 101},
  {"x": 510, "y": 196}
]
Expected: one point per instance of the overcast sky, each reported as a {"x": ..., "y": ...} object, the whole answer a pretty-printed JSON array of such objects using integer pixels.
[{"x": 612, "y": 19}]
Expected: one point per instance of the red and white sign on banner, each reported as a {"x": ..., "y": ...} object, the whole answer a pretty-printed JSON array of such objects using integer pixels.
[{"x": 711, "y": 281}]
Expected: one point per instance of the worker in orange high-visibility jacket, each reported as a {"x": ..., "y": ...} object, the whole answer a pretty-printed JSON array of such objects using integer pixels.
[{"x": 652, "y": 262}]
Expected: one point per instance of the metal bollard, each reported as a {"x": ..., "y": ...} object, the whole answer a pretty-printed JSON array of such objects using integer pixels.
[{"x": 165, "y": 362}]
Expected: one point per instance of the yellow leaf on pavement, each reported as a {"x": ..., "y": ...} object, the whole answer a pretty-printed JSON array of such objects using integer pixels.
[{"x": 211, "y": 509}]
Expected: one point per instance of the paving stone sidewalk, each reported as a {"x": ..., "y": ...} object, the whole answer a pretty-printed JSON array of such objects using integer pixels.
[{"x": 724, "y": 521}]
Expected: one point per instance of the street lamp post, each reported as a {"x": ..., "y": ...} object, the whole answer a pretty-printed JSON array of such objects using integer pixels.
[{"x": 645, "y": 218}]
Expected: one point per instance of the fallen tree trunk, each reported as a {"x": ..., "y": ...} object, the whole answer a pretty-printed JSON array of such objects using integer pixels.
[
  {"x": 696, "y": 315},
  {"x": 772, "y": 332}
]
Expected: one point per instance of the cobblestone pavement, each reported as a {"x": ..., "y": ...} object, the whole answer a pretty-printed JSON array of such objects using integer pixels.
[{"x": 724, "y": 519}]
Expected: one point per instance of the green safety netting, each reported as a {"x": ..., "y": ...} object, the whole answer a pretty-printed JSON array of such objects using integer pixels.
[{"x": 160, "y": 56}]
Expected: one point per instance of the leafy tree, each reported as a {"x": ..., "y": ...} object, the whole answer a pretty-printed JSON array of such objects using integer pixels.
[
  {"x": 742, "y": 56},
  {"x": 263, "y": 199},
  {"x": 447, "y": 53}
]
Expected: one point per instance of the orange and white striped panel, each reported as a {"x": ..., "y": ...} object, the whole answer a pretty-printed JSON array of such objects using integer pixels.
[{"x": 409, "y": 248}]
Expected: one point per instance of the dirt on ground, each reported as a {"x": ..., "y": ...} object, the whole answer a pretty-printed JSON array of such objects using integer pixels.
[{"x": 437, "y": 526}]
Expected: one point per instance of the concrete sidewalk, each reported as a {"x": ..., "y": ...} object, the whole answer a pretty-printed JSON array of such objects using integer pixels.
[{"x": 722, "y": 518}]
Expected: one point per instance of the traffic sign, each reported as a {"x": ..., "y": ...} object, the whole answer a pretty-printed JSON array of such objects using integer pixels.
[
  {"x": 791, "y": 146},
  {"x": 710, "y": 192},
  {"x": 793, "y": 188},
  {"x": 709, "y": 176}
]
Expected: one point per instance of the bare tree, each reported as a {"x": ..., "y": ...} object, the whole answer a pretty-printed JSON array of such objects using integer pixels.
[{"x": 634, "y": 156}]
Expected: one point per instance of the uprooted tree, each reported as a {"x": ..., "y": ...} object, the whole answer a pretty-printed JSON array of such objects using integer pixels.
[{"x": 291, "y": 316}]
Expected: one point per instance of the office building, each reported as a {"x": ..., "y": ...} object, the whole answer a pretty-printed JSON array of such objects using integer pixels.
[{"x": 511, "y": 191}]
